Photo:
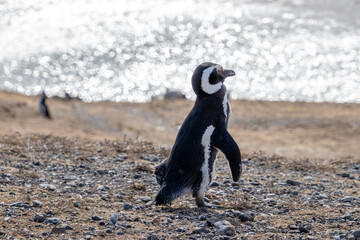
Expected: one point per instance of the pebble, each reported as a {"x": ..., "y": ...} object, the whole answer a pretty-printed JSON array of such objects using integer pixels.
[
  {"x": 76, "y": 204},
  {"x": 108, "y": 230},
  {"x": 293, "y": 182},
  {"x": 37, "y": 203},
  {"x": 152, "y": 237},
  {"x": 127, "y": 206},
  {"x": 150, "y": 158},
  {"x": 52, "y": 221},
  {"x": 199, "y": 230},
  {"x": 96, "y": 218},
  {"x": 244, "y": 216},
  {"x": 225, "y": 228},
  {"x": 58, "y": 230},
  {"x": 114, "y": 218},
  {"x": 145, "y": 199},
  {"x": 39, "y": 217},
  {"x": 303, "y": 229}
]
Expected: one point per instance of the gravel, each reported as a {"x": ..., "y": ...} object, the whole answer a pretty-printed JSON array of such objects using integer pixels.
[{"x": 65, "y": 193}]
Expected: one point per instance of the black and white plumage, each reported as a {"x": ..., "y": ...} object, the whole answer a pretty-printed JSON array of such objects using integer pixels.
[
  {"x": 43, "y": 108},
  {"x": 190, "y": 166}
]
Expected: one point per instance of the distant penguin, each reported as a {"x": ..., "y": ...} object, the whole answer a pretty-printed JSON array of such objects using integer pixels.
[
  {"x": 43, "y": 108},
  {"x": 190, "y": 166}
]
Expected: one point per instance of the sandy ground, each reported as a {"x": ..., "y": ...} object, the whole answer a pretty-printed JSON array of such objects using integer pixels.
[
  {"x": 63, "y": 178},
  {"x": 294, "y": 130}
]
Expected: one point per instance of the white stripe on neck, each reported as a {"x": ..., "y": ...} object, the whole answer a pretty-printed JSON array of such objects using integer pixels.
[{"x": 206, "y": 86}]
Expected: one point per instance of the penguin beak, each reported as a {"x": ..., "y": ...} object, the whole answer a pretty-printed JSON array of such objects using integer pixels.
[{"x": 227, "y": 73}]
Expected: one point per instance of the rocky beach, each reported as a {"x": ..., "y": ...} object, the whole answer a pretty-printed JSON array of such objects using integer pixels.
[{"x": 88, "y": 172}]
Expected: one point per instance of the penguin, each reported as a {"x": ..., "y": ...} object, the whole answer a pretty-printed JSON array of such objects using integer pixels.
[
  {"x": 190, "y": 166},
  {"x": 43, "y": 108}
]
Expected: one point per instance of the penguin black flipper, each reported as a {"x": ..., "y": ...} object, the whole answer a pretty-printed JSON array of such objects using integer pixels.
[{"x": 223, "y": 141}]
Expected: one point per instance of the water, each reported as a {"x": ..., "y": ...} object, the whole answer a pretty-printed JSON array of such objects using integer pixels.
[{"x": 299, "y": 50}]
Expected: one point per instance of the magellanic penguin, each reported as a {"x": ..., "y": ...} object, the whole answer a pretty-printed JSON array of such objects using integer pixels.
[
  {"x": 43, "y": 108},
  {"x": 190, "y": 166}
]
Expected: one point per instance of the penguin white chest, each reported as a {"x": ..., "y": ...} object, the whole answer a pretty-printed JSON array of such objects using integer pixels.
[{"x": 206, "y": 143}]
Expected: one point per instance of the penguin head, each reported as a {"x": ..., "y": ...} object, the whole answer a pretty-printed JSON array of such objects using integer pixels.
[{"x": 208, "y": 78}]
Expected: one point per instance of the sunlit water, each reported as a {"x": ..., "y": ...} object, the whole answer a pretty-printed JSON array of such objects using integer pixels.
[{"x": 299, "y": 50}]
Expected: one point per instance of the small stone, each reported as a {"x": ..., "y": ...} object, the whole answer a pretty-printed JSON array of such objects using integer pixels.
[
  {"x": 202, "y": 218},
  {"x": 152, "y": 237},
  {"x": 114, "y": 218},
  {"x": 52, "y": 221},
  {"x": 108, "y": 230},
  {"x": 211, "y": 221},
  {"x": 44, "y": 234},
  {"x": 56, "y": 230},
  {"x": 76, "y": 204},
  {"x": 347, "y": 217},
  {"x": 66, "y": 226},
  {"x": 127, "y": 206},
  {"x": 293, "y": 182},
  {"x": 303, "y": 229},
  {"x": 336, "y": 237},
  {"x": 293, "y": 227},
  {"x": 199, "y": 230},
  {"x": 225, "y": 228},
  {"x": 150, "y": 158},
  {"x": 102, "y": 172},
  {"x": 214, "y": 184},
  {"x": 120, "y": 233},
  {"x": 39, "y": 217},
  {"x": 101, "y": 223},
  {"x": 137, "y": 176},
  {"x": 345, "y": 175},
  {"x": 37, "y": 203},
  {"x": 87, "y": 236},
  {"x": 246, "y": 216},
  {"x": 145, "y": 199},
  {"x": 96, "y": 218},
  {"x": 156, "y": 221},
  {"x": 48, "y": 186},
  {"x": 2, "y": 233}
]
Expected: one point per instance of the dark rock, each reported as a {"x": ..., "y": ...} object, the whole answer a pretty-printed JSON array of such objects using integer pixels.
[
  {"x": 202, "y": 218},
  {"x": 152, "y": 237},
  {"x": 76, "y": 204},
  {"x": 303, "y": 229},
  {"x": 199, "y": 230},
  {"x": 244, "y": 216},
  {"x": 52, "y": 221},
  {"x": 120, "y": 233},
  {"x": 102, "y": 172},
  {"x": 48, "y": 213},
  {"x": 108, "y": 230},
  {"x": 102, "y": 223},
  {"x": 345, "y": 175},
  {"x": 39, "y": 217},
  {"x": 56, "y": 230},
  {"x": 96, "y": 218},
  {"x": 225, "y": 228},
  {"x": 2, "y": 233},
  {"x": 293, "y": 182},
  {"x": 211, "y": 221},
  {"x": 137, "y": 176},
  {"x": 37, "y": 203},
  {"x": 214, "y": 184},
  {"x": 127, "y": 206}
]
